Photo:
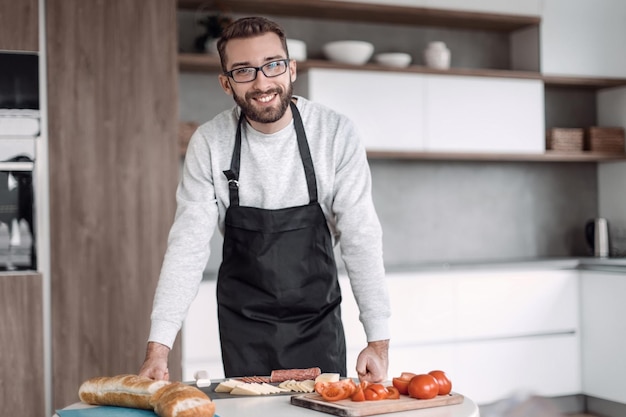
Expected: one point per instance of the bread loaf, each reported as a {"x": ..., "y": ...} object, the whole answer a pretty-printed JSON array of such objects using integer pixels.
[
  {"x": 180, "y": 400},
  {"x": 122, "y": 390}
]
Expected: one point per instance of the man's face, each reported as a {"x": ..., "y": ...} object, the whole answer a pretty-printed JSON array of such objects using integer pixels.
[{"x": 266, "y": 99}]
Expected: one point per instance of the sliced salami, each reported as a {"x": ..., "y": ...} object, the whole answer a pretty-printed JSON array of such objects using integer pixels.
[
  {"x": 280, "y": 375},
  {"x": 253, "y": 379}
]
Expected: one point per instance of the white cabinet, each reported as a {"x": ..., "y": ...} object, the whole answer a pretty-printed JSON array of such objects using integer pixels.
[
  {"x": 494, "y": 332},
  {"x": 602, "y": 334},
  {"x": 480, "y": 114},
  {"x": 583, "y": 38},
  {"x": 439, "y": 113},
  {"x": 200, "y": 335},
  {"x": 387, "y": 108}
]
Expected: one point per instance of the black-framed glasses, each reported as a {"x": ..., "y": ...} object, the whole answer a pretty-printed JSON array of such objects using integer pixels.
[{"x": 248, "y": 74}]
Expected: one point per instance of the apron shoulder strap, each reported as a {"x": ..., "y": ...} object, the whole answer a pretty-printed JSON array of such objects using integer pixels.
[
  {"x": 232, "y": 175},
  {"x": 305, "y": 153}
]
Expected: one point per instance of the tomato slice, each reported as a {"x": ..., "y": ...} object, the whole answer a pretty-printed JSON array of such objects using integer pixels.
[
  {"x": 358, "y": 395},
  {"x": 393, "y": 393},
  {"x": 401, "y": 385},
  {"x": 371, "y": 395},
  {"x": 335, "y": 393},
  {"x": 320, "y": 387},
  {"x": 379, "y": 389},
  {"x": 407, "y": 376},
  {"x": 349, "y": 385}
]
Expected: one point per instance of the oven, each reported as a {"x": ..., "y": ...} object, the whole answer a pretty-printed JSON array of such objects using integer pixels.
[{"x": 19, "y": 133}]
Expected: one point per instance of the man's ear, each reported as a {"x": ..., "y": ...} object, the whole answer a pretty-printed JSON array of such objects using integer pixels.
[
  {"x": 292, "y": 70},
  {"x": 224, "y": 82}
]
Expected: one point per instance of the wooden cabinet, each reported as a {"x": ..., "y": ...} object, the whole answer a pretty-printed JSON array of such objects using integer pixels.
[
  {"x": 602, "y": 334},
  {"x": 21, "y": 344},
  {"x": 583, "y": 38},
  {"x": 529, "y": 7},
  {"x": 19, "y": 23},
  {"x": 113, "y": 170}
]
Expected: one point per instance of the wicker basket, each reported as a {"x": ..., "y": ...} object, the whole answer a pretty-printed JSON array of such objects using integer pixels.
[
  {"x": 565, "y": 139},
  {"x": 604, "y": 139}
]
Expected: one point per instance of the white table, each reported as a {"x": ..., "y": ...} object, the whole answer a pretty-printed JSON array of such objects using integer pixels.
[{"x": 280, "y": 406}]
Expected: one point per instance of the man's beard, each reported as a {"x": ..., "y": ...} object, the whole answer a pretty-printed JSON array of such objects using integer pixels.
[{"x": 268, "y": 114}]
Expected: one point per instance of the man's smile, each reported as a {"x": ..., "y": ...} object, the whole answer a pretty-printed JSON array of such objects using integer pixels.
[{"x": 266, "y": 98}]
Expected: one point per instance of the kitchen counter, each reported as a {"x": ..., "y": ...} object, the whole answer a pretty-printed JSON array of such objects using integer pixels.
[
  {"x": 526, "y": 264},
  {"x": 584, "y": 263},
  {"x": 280, "y": 406}
]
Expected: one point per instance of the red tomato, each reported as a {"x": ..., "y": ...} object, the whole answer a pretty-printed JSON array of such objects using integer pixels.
[
  {"x": 371, "y": 395},
  {"x": 445, "y": 385},
  {"x": 423, "y": 387},
  {"x": 393, "y": 393}
]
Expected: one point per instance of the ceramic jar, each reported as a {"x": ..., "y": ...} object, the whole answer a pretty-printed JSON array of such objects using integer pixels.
[{"x": 437, "y": 55}]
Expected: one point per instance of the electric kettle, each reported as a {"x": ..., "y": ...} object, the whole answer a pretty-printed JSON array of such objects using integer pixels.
[{"x": 597, "y": 235}]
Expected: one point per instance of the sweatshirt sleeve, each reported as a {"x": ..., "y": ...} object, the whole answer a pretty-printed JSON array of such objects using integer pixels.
[
  {"x": 360, "y": 232},
  {"x": 188, "y": 246}
]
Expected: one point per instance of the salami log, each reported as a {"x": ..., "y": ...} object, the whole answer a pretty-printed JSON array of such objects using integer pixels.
[{"x": 280, "y": 375}]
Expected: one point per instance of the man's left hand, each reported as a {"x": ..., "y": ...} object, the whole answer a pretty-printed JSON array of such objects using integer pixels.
[{"x": 373, "y": 362}]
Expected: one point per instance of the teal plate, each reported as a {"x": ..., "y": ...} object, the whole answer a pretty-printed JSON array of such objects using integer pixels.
[{"x": 106, "y": 411}]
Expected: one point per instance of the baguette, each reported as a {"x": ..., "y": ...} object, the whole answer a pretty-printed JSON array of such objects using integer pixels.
[
  {"x": 180, "y": 400},
  {"x": 122, "y": 390}
]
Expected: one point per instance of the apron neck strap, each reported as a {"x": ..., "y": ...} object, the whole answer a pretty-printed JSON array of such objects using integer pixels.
[{"x": 305, "y": 155}]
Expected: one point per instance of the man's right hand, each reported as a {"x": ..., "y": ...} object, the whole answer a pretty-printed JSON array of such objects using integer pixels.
[{"x": 155, "y": 364}]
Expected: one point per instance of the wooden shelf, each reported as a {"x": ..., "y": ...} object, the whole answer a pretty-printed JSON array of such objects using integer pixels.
[
  {"x": 584, "y": 82},
  {"x": 548, "y": 156},
  {"x": 367, "y": 12},
  {"x": 205, "y": 62}
]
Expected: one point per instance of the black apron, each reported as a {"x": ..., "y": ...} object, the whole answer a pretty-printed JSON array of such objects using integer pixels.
[{"x": 277, "y": 291}]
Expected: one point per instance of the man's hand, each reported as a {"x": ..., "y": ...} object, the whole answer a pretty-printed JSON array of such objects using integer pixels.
[
  {"x": 155, "y": 364},
  {"x": 373, "y": 362}
]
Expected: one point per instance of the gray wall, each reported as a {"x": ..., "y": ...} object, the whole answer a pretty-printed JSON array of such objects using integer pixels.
[{"x": 446, "y": 211}]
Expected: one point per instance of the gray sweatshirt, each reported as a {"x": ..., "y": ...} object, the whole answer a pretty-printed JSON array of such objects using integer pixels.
[{"x": 272, "y": 177}]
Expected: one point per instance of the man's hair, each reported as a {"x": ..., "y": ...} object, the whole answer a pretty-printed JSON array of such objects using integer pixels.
[{"x": 248, "y": 27}]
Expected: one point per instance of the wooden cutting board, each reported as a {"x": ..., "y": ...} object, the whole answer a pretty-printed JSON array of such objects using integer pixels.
[{"x": 349, "y": 408}]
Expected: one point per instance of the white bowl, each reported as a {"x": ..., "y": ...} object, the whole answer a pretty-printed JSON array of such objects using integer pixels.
[
  {"x": 349, "y": 52},
  {"x": 297, "y": 49},
  {"x": 394, "y": 59}
]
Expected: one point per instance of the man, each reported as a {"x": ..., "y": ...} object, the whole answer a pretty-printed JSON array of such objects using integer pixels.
[{"x": 276, "y": 174}]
